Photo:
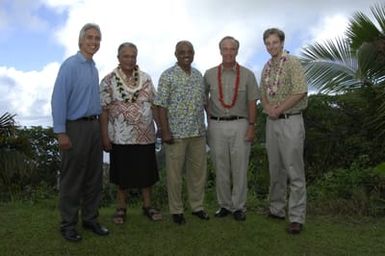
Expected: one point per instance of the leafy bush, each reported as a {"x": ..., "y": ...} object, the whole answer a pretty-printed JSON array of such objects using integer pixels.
[
  {"x": 354, "y": 190},
  {"x": 336, "y": 134}
]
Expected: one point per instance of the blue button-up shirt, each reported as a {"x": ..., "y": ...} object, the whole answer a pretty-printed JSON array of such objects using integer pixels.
[{"x": 76, "y": 92}]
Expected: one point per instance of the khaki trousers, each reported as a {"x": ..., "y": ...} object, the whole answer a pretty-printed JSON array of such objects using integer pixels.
[
  {"x": 191, "y": 154},
  {"x": 230, "y": 155},
  {"x": 284, "y": 141}
]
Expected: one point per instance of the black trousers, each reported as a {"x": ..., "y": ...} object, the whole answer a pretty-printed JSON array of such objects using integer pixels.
[{"x": 81, "y": 178}]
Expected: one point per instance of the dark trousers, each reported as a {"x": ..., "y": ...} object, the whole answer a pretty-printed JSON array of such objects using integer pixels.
[{"x": 81, "y": 178}]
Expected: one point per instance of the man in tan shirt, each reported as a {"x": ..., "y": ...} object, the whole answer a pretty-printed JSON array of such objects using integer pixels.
[
  {"x": 284, "y": 97},
  {"x": 232, "y": 93}
]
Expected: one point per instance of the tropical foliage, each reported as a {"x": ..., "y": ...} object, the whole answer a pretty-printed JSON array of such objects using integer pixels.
[
  {"x": 354, "y": 62},
  {"x": 29, "y": 160},
  {"x": 13, "y": 156}
]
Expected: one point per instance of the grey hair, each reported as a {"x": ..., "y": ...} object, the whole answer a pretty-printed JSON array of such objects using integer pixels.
[
  {"x": 230, "y": 38},
  {"x": 274, "y": 31},
  {"x": 86, "y": 27},
  {"x": 127, "y": 45}
]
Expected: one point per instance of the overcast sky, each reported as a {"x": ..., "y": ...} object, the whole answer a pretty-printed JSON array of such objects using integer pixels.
[{"x": 37, "y": 35}]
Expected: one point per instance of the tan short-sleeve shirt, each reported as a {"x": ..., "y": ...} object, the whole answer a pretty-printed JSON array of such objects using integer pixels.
[
  {"x": 289, "y": 80},
  {"x": 247, "y": 91}
]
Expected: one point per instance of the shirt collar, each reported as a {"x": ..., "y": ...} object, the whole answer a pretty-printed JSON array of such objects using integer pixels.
[
  {"x": 181, "y": 70},
  {"x": 84, "y": 59},
  {"x": 233, "y": 68}
]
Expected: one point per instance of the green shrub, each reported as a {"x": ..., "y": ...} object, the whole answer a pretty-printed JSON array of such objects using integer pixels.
[{"x": 354, "y": 190}]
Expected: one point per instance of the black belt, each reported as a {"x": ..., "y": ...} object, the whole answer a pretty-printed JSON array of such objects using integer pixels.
[
  {"x": 227, "y": 118},
  {"x": 87, "y": 118},
  {"x": 286, "y": 116}
]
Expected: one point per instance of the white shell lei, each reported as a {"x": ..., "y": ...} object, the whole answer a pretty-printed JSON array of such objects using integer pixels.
[{"x": 128, "y": 92}]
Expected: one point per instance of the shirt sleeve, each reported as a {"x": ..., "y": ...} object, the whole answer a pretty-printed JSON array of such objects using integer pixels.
[
  {"x": 297, "y": 77},
  {"x": 59, "y": 99},
  {"x": 262, "y": 85},
  {"x": 105, "y": 91},
  {"x": 252, "y": 87},
  {"x": 153, "y": 90},
  {"x": 162, "y": 96},
  {"x": 206, "y": 84}
]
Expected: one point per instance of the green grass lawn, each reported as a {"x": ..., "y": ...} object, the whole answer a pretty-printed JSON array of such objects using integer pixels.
[{"x": 27, "y": 229}]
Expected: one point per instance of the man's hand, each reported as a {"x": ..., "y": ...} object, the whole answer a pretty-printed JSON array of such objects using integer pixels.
[
  {"x": 250, "y": 133},
  {"x": 64, "y": 141},
  {"x": 273, "y": 111},
  {"x": 106, "y": 143},
  {"x": 167, "y": 137}
]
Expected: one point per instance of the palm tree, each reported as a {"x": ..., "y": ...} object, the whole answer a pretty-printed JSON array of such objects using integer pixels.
[
  {"x": 368, "y": 41},
  {"x": 7, "y": 124},
  {"x": 353, "y": 62},
  {"x": 14, "y": 163}
]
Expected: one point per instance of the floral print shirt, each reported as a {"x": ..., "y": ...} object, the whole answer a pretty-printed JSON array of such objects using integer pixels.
[
  {"x": 283, "y": 78},
  {"x": 129, "y": 121},
  {"x": 183, "y": 96}
]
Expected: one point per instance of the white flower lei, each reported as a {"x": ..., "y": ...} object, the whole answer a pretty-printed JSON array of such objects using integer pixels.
[{"x": 272, "y": 86}]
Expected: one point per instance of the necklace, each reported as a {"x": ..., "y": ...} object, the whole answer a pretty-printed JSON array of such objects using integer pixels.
[
  {"x": 272, "y": 86},
  {"x": 128, "y": 88},
  {"x": 220, "y": 89}
]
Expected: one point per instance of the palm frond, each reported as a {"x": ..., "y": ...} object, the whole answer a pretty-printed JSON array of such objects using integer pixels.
[
  {"x": 371, "y": 64},
  {"x": 330, "y": 66},
  {"x": 7, "y": 124},
  {"x": 378, "y": 11},
  {"x": 356, "y": 61},
  {"x": 360, "y": 30}
]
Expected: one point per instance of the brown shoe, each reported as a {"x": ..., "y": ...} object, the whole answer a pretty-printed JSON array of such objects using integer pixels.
[{"x": 295, "y": 228}]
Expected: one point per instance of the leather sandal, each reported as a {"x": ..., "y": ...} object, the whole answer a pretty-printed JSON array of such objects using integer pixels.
[
  {"x": 152, "y": 213},
  {"x": 119, "y": 216}
]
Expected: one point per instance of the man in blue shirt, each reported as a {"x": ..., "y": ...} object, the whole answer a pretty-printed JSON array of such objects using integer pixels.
[{"x": 75, "y": 111}]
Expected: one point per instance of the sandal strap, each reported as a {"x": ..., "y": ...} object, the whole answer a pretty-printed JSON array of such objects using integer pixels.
[
  {"x": 151, "y": 213},
  {"x": 121, "y": 210}
]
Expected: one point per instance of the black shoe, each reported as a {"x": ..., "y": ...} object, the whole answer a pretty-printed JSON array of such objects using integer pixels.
[
  {"x": 222, "y": 212},
  {"x": 70, "y": 234},
  {"x": 96, "y": 228},
  {"x": 273, "y": 216},
  {"x": 295, "y": 228},
  {"x": 178, "y": 219},
  {"x": 239, "y": 215},
  {"x": 201, "y": 215}
]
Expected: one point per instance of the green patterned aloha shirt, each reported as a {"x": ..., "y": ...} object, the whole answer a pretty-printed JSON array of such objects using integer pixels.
[
  {"x": 282, "y": 79},
  {"x": 183, "y": 96}
]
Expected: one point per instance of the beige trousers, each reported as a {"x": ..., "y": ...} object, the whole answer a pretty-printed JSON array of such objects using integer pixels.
[
  {"x": 284, "y": 141},
  {"x": 230, "y": 155},
  {"x": 191, "y": 154}
]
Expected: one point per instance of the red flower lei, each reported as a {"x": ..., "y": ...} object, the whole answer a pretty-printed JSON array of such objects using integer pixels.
[{"x": 235, "y": 95}]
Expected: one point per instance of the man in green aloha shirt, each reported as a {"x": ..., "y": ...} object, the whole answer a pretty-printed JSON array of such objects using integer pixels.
[
  {"x": 284, "y": 97},
  {"x": 181, "y": 102}
]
